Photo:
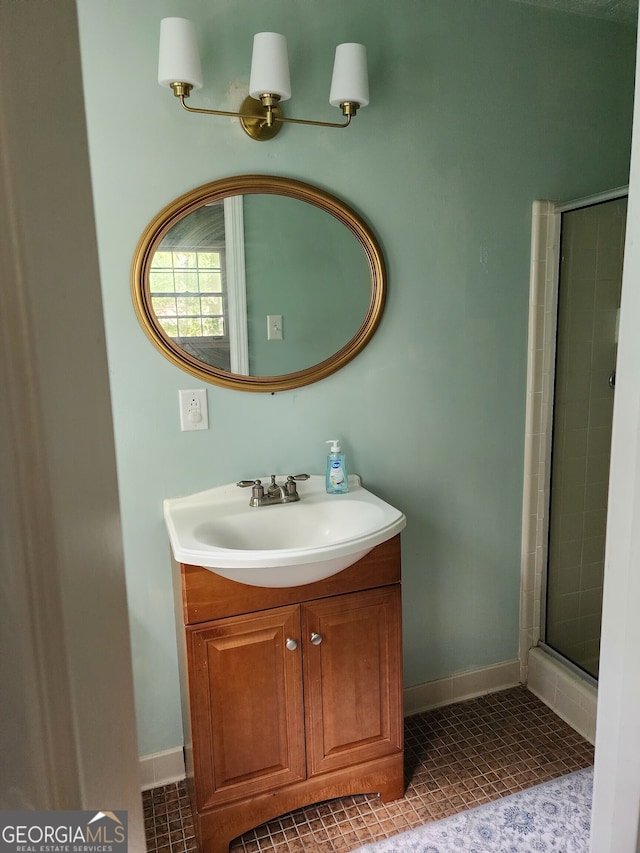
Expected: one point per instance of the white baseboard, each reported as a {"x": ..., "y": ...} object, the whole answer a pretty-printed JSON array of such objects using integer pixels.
[
  {"x": 161, "y": 768},
  {"x": 457, "y": 688},
  {"x": 568, "y": 695}
]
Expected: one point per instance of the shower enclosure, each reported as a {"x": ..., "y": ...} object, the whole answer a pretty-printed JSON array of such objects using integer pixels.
[
  {"x": 576, "y": 271},
  {"x": 588, "y": 303}
]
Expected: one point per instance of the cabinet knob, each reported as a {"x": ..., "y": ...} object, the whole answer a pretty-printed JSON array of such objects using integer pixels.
[
  {"x": 316, "y": 639},
  {"x": 292, "y": 644}
]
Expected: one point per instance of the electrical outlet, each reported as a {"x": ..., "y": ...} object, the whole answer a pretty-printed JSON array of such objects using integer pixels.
[
  {"x": 193, "y": 409},
  {"x": 274, "y": 327}
]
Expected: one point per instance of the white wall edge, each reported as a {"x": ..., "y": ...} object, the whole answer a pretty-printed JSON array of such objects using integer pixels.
[
  {"x": 615, "y": 824},
  {"x": 543, "y": 297},
  {"x": 236, "y": 284}
]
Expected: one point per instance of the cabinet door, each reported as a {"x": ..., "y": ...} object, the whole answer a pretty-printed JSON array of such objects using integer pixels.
[
  {"x": 246, "y": 705},
  {"x": 352, "y": 675}
]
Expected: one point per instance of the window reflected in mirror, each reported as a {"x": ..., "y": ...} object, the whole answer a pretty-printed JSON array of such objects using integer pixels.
[{"x": 187, "y": 286}]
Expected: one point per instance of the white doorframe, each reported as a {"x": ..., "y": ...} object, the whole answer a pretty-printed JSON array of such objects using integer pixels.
[
  {"x": 236, "y": 281},
  {"x": 616, "y": 799},
  {"x": 67, "y": 735}
]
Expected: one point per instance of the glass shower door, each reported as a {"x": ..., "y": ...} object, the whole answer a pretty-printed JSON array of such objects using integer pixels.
[{"x": 592, "y": 249}]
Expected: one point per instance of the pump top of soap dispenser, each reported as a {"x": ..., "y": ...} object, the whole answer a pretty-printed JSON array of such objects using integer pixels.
[{"x": 335, "y": 445}]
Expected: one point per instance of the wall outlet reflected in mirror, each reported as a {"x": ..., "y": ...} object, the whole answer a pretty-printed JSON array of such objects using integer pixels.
[{"x": 274, "y": 327}]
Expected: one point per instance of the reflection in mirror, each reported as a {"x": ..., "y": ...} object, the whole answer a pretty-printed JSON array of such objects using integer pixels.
[
  {"x": 302, "y": 265},
  {"x": 258, "y": 283},
  {"x": 187, "y": 286}
]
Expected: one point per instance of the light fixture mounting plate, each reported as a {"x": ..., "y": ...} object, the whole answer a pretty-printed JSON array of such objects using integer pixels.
[{"x": 254, "y": 122}]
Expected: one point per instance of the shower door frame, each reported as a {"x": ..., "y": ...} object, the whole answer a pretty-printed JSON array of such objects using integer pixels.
[{"x": 543, "y": 314}]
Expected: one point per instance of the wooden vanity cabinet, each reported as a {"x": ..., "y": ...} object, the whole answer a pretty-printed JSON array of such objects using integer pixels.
[{"x": 290, "y": 696}]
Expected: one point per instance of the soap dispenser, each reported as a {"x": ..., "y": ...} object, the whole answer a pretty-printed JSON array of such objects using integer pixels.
[{"x": 337, "y": 477}]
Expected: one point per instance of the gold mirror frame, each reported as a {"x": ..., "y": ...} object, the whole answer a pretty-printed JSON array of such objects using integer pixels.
[{"x": 244, "y": 185}]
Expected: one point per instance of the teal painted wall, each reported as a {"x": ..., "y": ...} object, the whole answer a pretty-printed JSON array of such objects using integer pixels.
[
  {"x": 304, "y": 264},
  {"x": 478, "y": 107}
]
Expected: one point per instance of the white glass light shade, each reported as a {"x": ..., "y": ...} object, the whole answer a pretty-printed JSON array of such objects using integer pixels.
[
  {"x": 350, "y": 81},
  {"x": 270, "y": 67},
  {"x": 179, "y": 60}
]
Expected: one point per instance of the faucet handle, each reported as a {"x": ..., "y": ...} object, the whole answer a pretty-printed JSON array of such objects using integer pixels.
[
  {"x": 257, "y": 491},
  {"x": 291, "y": 484}
]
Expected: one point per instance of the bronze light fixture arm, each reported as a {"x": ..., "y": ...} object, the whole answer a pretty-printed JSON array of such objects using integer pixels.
[
  {"x": 317, "y": 123},
  {"x": 259, "y": 117},
  {"x": 212, "y": 112}
]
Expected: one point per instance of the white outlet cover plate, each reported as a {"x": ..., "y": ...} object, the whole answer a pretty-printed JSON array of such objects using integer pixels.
[
  {"x": 194, "y": 413},
  {"x": 274, "y": 327}
]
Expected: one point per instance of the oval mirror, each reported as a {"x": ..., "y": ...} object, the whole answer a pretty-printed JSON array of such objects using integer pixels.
[{"x": 258, "y": 283}]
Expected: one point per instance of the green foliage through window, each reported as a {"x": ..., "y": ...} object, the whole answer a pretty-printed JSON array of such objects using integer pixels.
[{"x": 187, "y": 293}]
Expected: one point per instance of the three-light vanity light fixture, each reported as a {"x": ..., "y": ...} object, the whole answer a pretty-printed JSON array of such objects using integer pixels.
[{"x": 260, "y": 114}]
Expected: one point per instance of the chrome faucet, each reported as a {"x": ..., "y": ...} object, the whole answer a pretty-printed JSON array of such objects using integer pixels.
[{"x": 275, "y": 493}]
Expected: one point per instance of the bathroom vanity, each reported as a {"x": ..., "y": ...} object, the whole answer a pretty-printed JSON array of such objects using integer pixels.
[{"x": 291, "y": 695}]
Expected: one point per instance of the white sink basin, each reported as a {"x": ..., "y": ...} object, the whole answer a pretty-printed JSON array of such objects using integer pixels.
[{"x": 284, "y": 544}]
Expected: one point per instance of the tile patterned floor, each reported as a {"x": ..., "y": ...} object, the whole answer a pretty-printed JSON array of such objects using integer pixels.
[{"x": 456, "y": 758}]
